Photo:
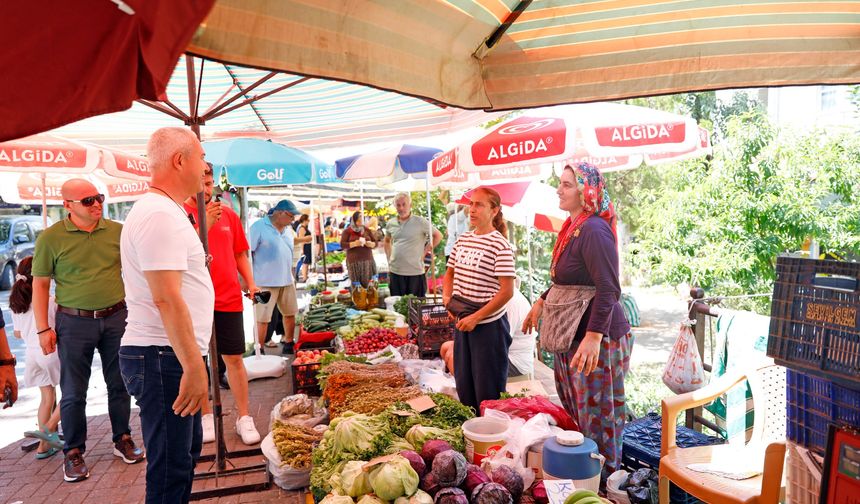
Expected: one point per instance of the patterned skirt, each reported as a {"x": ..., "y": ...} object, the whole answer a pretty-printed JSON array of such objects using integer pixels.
[
  {"x": 361, "y": 271},
  {"x": 597, "y": 401}
]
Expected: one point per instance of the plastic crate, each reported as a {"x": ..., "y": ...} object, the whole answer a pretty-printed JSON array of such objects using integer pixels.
[
  {"x": 802, "y": 482},
  {"x": 428, "y": 313},
  {"x": 641, "y": 448},
  {"x": 304, "y": 377},
  {"x": 813, "y": 404},
  {"x": 429, "y": 340},
  {"x": 814, "y": 323}
]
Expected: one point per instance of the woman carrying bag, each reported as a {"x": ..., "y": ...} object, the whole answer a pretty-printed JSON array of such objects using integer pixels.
[
  {"x": 477, "y": 285},
  {"x": 359, "y": 244},
  {"x": 583, "y": 321}
]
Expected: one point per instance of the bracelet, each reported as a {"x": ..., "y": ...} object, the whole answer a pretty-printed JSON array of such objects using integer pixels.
[
  {"x": 9, "y": 362},
  {"x": 44, "y": 330}
]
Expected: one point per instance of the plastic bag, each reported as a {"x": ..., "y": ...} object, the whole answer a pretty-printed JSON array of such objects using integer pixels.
[
  {"x": 414, "y": 367},
  {"x": 283, "y": 475},
  {"x": 684, "y": 373},
  {"x": 435, "y": 380},
  {"x": 616, "y": 487},
  {"x": 521, "y": 434},
  {"x": 298, "y": 409},
  {"x": 527, "y": 407}
]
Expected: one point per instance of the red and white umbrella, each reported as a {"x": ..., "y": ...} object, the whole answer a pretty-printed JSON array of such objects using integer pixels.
[
  {"x": 534, "y": 204},
  {"x": 36, "y": 167},
  {"x": 609, "y": 135}
]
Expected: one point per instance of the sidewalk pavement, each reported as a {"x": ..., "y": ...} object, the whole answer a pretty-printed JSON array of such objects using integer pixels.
[{"x": 29, "y": 481}]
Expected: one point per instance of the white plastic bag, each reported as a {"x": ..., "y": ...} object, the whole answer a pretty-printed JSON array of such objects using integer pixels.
[
  {"x": 684, "y": 373},
  {"x": 613, "y": 487},
  {"x": 435, "y": 380},
  {"x": 298, "y": 409},
  {"x": 519, "y": 437},
  {"x": 414, "y": 367},
  {"x": 283, "y": 475}
]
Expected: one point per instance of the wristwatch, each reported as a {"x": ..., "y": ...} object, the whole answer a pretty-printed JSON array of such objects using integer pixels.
[{"x": 9, "y": 362}]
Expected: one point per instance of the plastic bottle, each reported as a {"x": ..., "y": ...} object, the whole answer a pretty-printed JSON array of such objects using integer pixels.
[
  {"x": 372, "y": 293},
  {"x": 359, "y": 296}
]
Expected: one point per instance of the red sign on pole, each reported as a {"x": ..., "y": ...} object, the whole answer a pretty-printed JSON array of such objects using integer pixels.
[
  {"x": 444, "y": 163},
  {"x": 636, "y": 135}
]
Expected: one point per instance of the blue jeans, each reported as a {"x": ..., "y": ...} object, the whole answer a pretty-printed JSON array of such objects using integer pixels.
[
  {"x": 77, "y": 340},
  {"x": 172, "y": 442}
]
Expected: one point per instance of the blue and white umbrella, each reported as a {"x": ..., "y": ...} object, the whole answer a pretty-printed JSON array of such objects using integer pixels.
[
  {"x": 251, "y": 162},
  {"x": 388, "y": 166}
]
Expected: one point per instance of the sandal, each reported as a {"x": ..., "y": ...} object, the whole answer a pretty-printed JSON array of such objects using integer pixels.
[
  {"x": 43, "y": 434},
  {"x": 46, "y": 454}
]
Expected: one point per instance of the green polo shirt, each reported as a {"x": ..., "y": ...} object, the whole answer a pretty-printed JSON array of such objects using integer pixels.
[{"x": 85, "y": 266}]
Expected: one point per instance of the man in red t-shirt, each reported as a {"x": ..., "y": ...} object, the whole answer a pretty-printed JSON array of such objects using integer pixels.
[{"x": 228, "y": 247}]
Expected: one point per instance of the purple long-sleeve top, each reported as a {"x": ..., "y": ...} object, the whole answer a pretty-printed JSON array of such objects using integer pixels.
[{"x": 592, "y": 259}]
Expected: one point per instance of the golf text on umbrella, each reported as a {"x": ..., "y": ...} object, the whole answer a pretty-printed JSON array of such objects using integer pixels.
[
  {"x": 275, "y": 175},
  {"x": 523, "y": 139}
]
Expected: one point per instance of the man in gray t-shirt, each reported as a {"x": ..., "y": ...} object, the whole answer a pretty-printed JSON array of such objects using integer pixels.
[{"x": 407, "y": 241}]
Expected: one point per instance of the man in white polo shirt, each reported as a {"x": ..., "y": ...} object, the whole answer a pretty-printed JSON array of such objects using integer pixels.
[{"x": 170, "y": 309}]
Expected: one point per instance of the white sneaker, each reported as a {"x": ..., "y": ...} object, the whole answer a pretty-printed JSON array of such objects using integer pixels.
[
  {"x": 246, "y": 430},
  {"x": 208, "y": 428}
]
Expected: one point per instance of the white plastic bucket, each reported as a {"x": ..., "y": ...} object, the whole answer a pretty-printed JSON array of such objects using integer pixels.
[{"x": 483, "y": 436}]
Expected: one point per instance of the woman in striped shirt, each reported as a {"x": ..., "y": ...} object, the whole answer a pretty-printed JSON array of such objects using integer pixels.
[{"x": 481, "y": 274}]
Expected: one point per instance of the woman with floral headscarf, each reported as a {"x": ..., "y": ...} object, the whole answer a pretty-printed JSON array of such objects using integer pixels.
[{"x": 590, "y": 372}]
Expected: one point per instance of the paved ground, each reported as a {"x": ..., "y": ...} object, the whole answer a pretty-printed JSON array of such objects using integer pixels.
[{"x": 26, "y": 480}]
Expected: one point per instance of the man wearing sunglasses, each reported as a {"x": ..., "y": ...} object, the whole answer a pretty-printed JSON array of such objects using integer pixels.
[{"x": 81, "y": 254}]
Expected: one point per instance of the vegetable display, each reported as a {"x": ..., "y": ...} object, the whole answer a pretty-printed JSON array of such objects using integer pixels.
[
  {"x": 474, "y": 477},
  {"x": 510, "y": 479},
  {"x": 415, "y": 460},
  {"x": 374, "y": 340},
  {"x": 491, "y": 493},
  {"x": 352, "y": 480},
  {"x": 452, "y": 495},
  {"x": 419, "y": 497},
  {"x": 402, "y": 305}
]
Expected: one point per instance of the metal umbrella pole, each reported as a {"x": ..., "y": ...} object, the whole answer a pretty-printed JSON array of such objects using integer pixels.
[
  {"x": 430, "y": 236},
  {"x": 221, "y": 457}
]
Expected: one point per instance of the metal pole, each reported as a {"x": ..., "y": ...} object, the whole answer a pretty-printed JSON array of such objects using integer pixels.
[
  {"x": 361, "y": 187},
  {"x": 244, "y": 209},
  {"x": 44, "y": 204},
  {"x": 531, "y": 275},
  {"x": 430, "y": 236}
]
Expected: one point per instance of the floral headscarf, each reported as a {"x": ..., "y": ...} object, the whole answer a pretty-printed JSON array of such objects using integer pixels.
[{"x": 595, "y": 201}]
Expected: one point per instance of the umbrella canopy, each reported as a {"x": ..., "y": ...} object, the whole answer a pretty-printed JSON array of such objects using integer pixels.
[
  {"x": 67, "y": 70},
  {"x": 530, "y": 203},
  {"x": 37, "y": 166},
  {"x": 251, "y": 162},
  {"x": 507, "y": 54},
  {"x": 233, "y": 101},
  {"x": 610, "y": 135},
  {"x": 388, "y": 166}
]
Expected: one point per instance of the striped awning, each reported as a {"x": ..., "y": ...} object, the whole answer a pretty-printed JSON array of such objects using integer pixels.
[
  {"x": 476, "y": 54},
  {"x": 305, "y": 113}
]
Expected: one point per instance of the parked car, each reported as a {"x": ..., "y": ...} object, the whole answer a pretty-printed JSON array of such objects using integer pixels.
[{"x": 18, "y": 235}]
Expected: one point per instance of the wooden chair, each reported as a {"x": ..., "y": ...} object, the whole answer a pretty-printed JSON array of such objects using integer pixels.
[{"x": 767, "y": 444}]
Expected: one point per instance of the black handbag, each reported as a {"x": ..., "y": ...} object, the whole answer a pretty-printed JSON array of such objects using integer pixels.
[{"x": 461, "y": 307}]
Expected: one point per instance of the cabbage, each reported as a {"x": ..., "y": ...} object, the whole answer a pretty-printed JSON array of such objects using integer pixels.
[
  {"x": 474, "y": 477},
  {"x": 509, "y": 479},
  {"x": 430, "y": 484},
  {"x": 432, "y": 448},
  {"x": 451, "y": 495},
  {"x": 420, "y": 497},
  {"x": 352, "y": 480},
  {"x": 394, "y": 479},
  {"x": 371, "y": 499},
  {"x": 358, "y": 434},
  {"x": 491, "y": 493},
  {"x": 539, "y": 493},
  {"x": 419, "y": 434},
  {"x": 397, "y": 445},
  {"x": 449, "y": 467},
  {"x": 416, "y": 461},
  {"x": 337, "y": 499}
]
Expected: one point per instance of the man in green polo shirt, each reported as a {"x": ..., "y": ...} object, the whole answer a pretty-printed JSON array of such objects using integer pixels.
[{"x": 81, "y": 254}]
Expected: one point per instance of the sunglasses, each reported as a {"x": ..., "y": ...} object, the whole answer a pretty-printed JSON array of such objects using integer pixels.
[{"x": 89, "y": 200}]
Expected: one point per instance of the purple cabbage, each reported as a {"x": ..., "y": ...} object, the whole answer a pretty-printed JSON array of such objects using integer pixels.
[
  {"x": 430, "y": 484},
  {"x": 432, "y": 448},
  {"x": 474, "y": 477},
  {"x": 416, "y": 461},
  {"x": 452, "y": 495},
  {"x": 509, "y": 479},
  {"x": 491, "y": 493},
  {"x": 449, "y": 467},
  {"x": 539, "y": 493}
]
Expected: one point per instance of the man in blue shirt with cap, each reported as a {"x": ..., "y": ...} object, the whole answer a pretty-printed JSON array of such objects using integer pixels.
[{"x": 272, "y": 256}]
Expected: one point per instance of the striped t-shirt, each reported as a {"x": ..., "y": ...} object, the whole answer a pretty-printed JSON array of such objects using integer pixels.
[{"x": 478, "y": 262}]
